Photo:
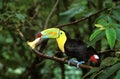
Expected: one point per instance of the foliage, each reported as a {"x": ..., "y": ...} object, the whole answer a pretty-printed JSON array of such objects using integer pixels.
[
  {"x": 109, "y": 66},
  {"x": 24, "y": 18},
  {"x": 108, "y": 26}
]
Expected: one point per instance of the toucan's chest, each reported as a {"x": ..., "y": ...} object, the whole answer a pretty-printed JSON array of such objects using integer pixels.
[{"x": 76, "y": 48}]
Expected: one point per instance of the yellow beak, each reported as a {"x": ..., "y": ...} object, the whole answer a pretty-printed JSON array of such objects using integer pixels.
[
  {"x": 50, "y": 33},
  {"x": 33, "y": 43}
]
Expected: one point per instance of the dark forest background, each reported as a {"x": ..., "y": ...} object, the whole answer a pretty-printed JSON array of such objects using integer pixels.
[{"x": 96, "y": 22}]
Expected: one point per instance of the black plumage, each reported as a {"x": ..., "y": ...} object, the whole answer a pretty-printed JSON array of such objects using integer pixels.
[
  {"x": 76, "y": 48},
  {"x": 79, "y": 50}
]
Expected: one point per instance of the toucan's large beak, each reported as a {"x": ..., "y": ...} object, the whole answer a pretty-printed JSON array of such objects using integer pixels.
[
  {"x": 50, "y": 33},
  {"x": 37, "y": 41},
  {"x": 33, "y": 43}
]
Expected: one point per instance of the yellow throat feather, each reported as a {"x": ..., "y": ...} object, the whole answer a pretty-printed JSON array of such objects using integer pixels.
[{"x": 61, "y": 40}]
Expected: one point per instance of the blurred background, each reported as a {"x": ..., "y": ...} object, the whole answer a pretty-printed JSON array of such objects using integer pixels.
[{"x": 20, "y": 20}]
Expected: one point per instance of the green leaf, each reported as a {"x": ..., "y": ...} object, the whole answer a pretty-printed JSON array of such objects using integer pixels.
[
  {"x": 21, "y": 17},
  {"x": 108, "y": 61},
  {"x": 111, "y": 36},
  {"x": 116, "y": 15},
  {"x": 1, "y": 28},
  {"x": 94, "y": 34},
  {"x": 98, "y": 37},
  {"x": 9, "y": 40},
  {"x": 102, "y": 22},
  {"x": 109, "y": 19},
  {"x": 1, "y": 39},
  {"x": 11, "y": 5},
  {"x": 102, "y": 16},
  {"x": 74, "y": 10},
  {"x": 109, "y": 71},
  {"x": 100, "y": 26},
  {"x": 118, "y": 75},
  {"x": 118, "y": 33},
  {"x": 109, "y": 4},
  {"x": 90, "y": 72},
  {"x": 115, "y": 25},
  {"x": 1, "y": 5},
  {"x": 5, "y": 55}
]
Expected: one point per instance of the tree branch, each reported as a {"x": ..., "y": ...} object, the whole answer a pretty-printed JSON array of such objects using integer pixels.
[
  {"x": 62, "y": 60},
  {"x": 106, "y": 51},
  {"x": 39, "y": 54},
  {"x": 82, "y": 19},
  {"x": 48, "y": 18}
]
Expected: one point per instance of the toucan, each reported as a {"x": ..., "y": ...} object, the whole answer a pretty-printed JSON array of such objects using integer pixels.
[{"x": 73, "y": 48}]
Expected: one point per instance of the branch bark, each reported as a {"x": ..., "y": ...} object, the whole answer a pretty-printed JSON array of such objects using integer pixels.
[
  {"x": 82, "y": 19},
  {"x": 61, "y": 60},
  {"x": 48, "y": 18},
  {"x": 106, "y": 51}
]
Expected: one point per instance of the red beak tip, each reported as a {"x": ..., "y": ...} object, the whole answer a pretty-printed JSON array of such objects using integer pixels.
[{"x": 38, "y": 35}]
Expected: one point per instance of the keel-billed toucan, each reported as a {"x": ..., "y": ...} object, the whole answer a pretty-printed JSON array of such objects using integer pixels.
[{"x": 71, "y": 47}]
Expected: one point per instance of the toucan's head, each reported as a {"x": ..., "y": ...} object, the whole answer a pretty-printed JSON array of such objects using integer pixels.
[{"x": 48, "y": 33}]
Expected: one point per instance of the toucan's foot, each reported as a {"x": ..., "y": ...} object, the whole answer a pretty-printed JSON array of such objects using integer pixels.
[
  {"x": 72, "y": 60},
  {"x": 78, "y": 63},
  {"x": 81, "y": 62}
]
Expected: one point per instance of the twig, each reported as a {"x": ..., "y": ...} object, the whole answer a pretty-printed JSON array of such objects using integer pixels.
[
  {"x": 39, "y": 54},
  {"x": 48, "y": 18},
  {"x": 82, "y": 19},
  {"x": 29, "y": 70},
  {"x": 35, "y": 14},
  {"x": 106, "y": 51},
  {"x": 20, "y": 33}
]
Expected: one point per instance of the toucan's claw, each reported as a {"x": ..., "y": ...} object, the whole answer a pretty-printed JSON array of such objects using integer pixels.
[
  {"x": 78, "y": 63},
  {"x": 72, "y": 60},
  {"x": 81, "y": 62}
]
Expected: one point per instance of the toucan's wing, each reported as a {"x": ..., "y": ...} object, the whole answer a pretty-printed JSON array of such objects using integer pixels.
[
  {"x": 76, "y": 48},
  {"x": 91, "y": 50}
]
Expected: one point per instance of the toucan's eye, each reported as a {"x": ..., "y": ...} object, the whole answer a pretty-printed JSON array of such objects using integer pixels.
[{"x": 60, "y": 33}]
